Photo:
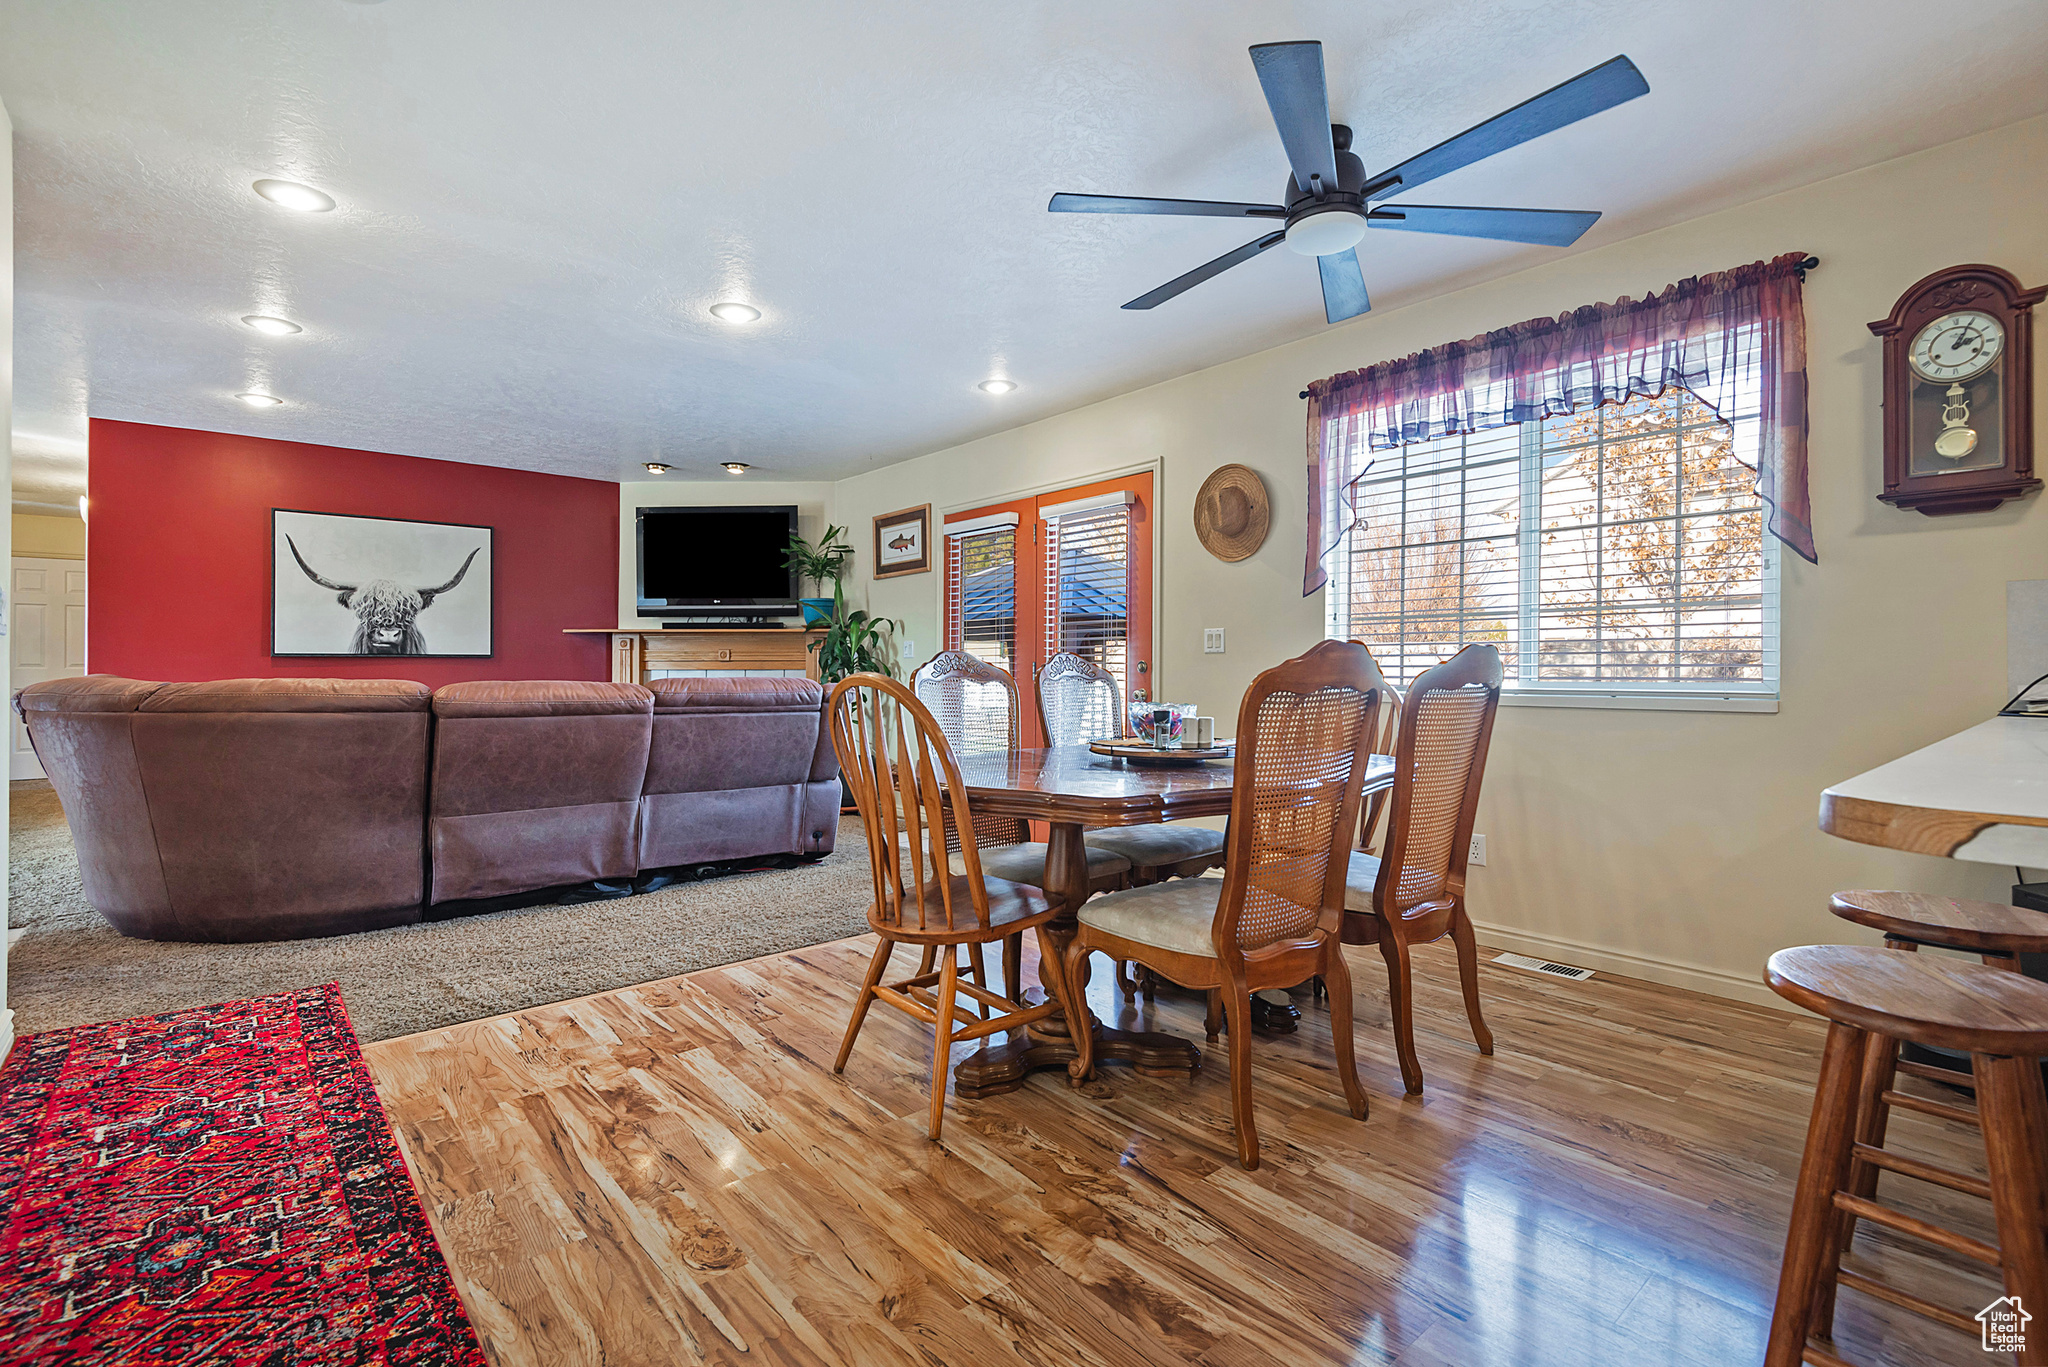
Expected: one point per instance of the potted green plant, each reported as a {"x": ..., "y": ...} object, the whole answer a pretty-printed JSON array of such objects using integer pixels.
[
  {"x": 822, "y": 564},
  {"x": 854, "y": 643}
]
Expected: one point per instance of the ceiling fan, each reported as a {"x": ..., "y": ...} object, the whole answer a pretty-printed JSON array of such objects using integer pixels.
[{"x": 1331, "y": 202}]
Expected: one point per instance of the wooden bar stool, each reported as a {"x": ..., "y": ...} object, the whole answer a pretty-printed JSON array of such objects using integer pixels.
[
  {"x": 2001, "y": 1020},
  {"x": 1908, "y": 920}
]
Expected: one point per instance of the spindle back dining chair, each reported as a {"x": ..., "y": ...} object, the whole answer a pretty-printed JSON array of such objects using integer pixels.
[
  {"x": 930, "y": 886},
  {"x": 1413, "y": 891},
  {"x": 1304, "y": 739}
]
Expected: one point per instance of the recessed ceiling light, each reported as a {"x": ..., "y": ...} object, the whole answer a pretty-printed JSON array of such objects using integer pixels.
[
  {"x": 996, "y": 386},
  {"x": 276, "y": 327},
  {"x": 260, "y": 400},
  {"x": 655, "y": 467},
  {"x": 732, "y": 312},
  {"x": 289, "y": 194},
  {"x": 736, "y": 467}
]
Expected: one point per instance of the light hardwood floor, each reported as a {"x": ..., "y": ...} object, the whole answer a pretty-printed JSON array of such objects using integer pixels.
[{"x": 671, "y": 1173}]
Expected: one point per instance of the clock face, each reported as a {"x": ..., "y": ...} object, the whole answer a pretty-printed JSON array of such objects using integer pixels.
[{"x": 1957, "y": 346}]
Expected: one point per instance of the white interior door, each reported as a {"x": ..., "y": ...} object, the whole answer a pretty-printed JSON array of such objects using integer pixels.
[{"x": 48, "y": 639}]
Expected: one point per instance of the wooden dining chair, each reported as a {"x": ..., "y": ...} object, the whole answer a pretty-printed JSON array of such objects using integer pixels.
[
  {"x": 931, "y": 888},
  {"x": 1304, "y": 736},
  {"x": 1080, "y": 701},
  {"x": 1375, "y": 805},
  {"x": 1413, "y": 891},
  {"x": 975, "y": 706}
]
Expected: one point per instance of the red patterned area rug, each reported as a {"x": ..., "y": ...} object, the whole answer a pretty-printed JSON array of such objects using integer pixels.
[{"x": 214, "y": 1186}]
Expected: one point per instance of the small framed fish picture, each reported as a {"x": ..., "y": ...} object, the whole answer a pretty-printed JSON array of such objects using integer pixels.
[{"x": 903, "y": 542}]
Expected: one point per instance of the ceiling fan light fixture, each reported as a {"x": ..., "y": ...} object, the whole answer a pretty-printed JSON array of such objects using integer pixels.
[
  {"x": 655, "y": 467},
  {"x": 289, "y": 194},
  {"x": 733, "y": 311},
  {"x": 255, "y": 400},
  {"x": 273, "y": 326},
  {"x": 1326, "y": 232},
  {"x": 736, "y": 467},
  {"x": 996, "y": 386}
]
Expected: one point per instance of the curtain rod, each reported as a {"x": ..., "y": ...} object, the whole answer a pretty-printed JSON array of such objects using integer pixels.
[{"x": 1810, "y": 263}]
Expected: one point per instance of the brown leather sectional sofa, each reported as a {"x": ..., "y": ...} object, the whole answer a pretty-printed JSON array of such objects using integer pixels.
[{"x": 281, "y": 809}]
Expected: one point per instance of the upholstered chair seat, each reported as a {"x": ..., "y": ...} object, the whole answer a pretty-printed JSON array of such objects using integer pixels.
[
  {"x": 1359, "y": 881},
  {"x": 1179, "y": 916},
  {"x": 1155, "y": 847},
  {"x": 1025, "y": 863}
]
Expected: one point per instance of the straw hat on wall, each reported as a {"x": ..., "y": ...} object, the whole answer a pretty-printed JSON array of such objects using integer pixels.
[{"x": 1231, "y": 512}]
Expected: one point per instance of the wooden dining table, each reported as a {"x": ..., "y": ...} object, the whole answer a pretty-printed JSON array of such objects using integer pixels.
[{"x": 1072, "y": 789}]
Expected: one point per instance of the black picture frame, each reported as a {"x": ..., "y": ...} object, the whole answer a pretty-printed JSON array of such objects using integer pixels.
[{"x": 329, "y": 579}]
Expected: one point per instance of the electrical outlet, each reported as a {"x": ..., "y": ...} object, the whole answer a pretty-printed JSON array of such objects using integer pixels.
[
  {"x": 1212, "y": 640},
  {"x": 1478, "y": 850}
]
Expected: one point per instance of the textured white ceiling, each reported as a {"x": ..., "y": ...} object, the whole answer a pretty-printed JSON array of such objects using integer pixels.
[{"x": 538, "y": 200}]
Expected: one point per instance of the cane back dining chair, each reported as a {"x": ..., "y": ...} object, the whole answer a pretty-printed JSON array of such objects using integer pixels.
[
  {"x": 1080, "y": 701},
  {"x": 931, "y": 888},
  {"x": 1304, "y": 736},
  {"x": 975, "y": 706},
  {"x": 1375, "y": 805},
  {"x": 1413, "y": 891}
]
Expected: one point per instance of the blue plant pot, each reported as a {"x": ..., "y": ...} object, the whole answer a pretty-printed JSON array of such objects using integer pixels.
[{"x": 817, "y": 611}]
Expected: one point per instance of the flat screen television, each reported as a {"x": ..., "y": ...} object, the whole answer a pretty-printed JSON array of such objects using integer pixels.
[{"x": 715, "y": 562}]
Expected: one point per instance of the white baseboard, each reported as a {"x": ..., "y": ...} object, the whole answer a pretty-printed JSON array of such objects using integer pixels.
[
  {"x": 1715, "y": 982},
  {"x": 6, "y": 1034}
]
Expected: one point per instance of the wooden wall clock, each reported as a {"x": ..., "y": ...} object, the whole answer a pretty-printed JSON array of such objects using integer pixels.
[{"x": 1959, "y": 392}]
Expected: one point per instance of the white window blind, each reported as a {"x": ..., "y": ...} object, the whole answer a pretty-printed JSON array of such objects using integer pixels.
[
  {"x": 1088, "y": 582},
  {"x": 981, "y": 594},
  {"x": 1615, "y": 555}
]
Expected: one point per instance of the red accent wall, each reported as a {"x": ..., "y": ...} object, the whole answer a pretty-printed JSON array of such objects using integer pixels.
[{"x": 178, "y": 554}]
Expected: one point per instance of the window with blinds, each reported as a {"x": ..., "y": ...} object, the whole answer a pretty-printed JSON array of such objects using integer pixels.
[
  {"x": 1612, "y": 554},
  {"x": 1088, "y": 574},
  {"x": 981, "y": 593}
]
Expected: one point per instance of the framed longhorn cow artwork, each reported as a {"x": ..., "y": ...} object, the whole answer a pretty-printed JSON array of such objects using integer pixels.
[
  {"x": 347, "y": 585},
  {"x": 902, "y": 542}
]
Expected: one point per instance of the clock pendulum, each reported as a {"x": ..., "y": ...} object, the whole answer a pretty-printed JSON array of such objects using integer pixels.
[{"x": 1957, "y": 439}]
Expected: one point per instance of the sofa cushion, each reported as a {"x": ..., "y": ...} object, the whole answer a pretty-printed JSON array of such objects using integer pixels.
[
  {"x": 290, "y": 695},
  {"x": 92, "y": 693},
  {"x": 540, "y": 698},
  {"x": 737, "y": 695}
]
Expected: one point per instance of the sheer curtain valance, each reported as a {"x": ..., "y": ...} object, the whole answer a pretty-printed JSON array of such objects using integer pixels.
[{"x": 1736, "y": 340}]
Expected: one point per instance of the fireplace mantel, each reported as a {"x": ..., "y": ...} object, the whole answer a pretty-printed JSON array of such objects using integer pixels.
[{"x": 639, "y": 655}]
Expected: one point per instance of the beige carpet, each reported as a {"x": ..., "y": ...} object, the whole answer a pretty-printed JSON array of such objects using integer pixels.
[{"x": 68, "y": 966}]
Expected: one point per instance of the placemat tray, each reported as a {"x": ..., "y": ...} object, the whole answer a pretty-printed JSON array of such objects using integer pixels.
[{"x": 1138, "y": 752}]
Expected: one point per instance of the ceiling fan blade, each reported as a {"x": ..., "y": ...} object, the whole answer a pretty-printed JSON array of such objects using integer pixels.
[
  {"x": 1547, "y": 227},
  {"x": 1134, "y": 204},
  {"x": 1180, "y": 284},
  {"x": 1611, "y": 83},
  {"x": 1343, "y": 286},
  {"x": 1292, "y": 75}
]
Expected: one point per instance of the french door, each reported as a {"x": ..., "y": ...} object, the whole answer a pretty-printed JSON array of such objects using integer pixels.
[{"x": 1067, "y": 570}]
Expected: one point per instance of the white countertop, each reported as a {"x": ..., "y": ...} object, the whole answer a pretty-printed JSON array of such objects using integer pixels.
[{"x": 1997, "y": 770}]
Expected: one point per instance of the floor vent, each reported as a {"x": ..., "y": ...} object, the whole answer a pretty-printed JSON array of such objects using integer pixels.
[{"x": 1577, "y": 975}]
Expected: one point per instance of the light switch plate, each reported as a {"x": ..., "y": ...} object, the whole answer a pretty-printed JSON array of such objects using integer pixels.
[{"x": 1212, "y": 640}]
